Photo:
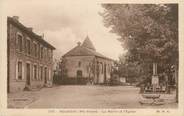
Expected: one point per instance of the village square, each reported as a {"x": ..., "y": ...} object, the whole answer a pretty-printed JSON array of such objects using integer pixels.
[{"x": 45, "y": 73}]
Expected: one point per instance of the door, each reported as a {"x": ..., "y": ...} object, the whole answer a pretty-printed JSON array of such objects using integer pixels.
[
  {"x": 28, "y": 74},
  {"x": 79, "y": 76},
  {"x": 105, "y": 75},
  {"x": 45, "y": 73}
]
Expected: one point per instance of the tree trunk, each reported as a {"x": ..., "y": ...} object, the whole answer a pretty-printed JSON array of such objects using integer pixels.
[{"x": 176, "y": 80}]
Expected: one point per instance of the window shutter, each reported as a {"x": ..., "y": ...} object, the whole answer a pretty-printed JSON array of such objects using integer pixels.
[
  {"x": 16, "y": 39},
  {"x": 23, "y": 71},
  {"x": 49, "y": 75},
  {"x": 16, "y": 75}
]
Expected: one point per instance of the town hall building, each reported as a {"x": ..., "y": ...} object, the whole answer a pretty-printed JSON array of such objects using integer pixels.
[
  {"x": 83, "y": 64},
  {"x": 30, "y": 58}
]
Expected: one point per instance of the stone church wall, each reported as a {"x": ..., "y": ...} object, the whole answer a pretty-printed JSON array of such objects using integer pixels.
[{"x": 76, "y": 63}]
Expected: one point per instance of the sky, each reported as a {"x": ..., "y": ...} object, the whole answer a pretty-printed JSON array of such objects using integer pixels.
[{"x": 65, "y": 23}]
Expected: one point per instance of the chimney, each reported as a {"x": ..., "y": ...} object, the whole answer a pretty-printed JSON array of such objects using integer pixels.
[
  {"x": 79, "y": 43},
  {"x": 30, "y": 28},
  {"x": 16, "y": 18}
]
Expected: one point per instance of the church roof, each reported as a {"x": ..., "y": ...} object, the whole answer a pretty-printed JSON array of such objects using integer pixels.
[
  {"x": 86, "y": 49},
  {"x": 87, "y": 43}
]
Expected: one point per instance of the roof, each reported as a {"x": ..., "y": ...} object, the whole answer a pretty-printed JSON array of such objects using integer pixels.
[
  {"x": 86, "y": 49},
  {"x": 87, "y": 43},
  {"x": 29, "y": 32}
]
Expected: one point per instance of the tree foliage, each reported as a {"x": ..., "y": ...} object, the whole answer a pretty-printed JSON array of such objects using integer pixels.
[{"x": 149, "y": 32}]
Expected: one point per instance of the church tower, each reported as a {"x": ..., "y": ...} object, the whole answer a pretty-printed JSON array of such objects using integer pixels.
[{"x": 88, "y": 44}]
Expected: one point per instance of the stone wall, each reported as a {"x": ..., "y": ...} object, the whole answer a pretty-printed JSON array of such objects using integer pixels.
[
  {"x": 104, "y": 64},
  {"x": 72, "y": 66}
]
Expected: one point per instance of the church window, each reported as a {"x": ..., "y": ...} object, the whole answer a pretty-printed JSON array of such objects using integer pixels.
[
  {"x": 102, "y": 68},
  {"x": 79, "y": 64}
]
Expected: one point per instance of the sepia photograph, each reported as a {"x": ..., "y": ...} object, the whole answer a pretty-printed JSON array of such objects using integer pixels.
[{"x": 88, "y": 55}]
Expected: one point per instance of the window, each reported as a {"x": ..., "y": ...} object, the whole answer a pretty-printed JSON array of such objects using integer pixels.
[
  {"x": 45, "y": 75},
  {"x": 28, "y": 47},
  {"x": 25, "y": 46},
  {"x": 49, "y": 54},
  {"x": 109, "y": 70},
  {"x": 79, "y": 73},
  {"x": 41, "y": 52},
  {"x": 102, "y": 67},
  {"x": 98, "y": 67},
  {"x": 20, "y": 42},
  {"x": 35, "y": 49},
  {"x": 20, "y": 76},
  {"x": 79, "y": 64},
  {"x": 38, "y": 52},
  {"x": 46, "y": 53},
  {"x": 89, "y": 68},
  {"x": 35, "y": 71}
]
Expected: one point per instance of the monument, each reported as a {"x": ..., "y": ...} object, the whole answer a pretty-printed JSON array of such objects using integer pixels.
[{"x": 155, "y": 79}]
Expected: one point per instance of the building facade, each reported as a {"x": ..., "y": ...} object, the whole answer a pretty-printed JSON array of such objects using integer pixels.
[
  {"x": 84, "y": 65},
  {"x": 30, "y": 58}
]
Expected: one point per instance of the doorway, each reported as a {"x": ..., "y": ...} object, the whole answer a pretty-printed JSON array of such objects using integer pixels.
[
  {"x": 45, "y": 74},
  {"x": 28, "y": 76},
  {"x": 105, "y": 75},
  {"x": 79, "y": 76}
]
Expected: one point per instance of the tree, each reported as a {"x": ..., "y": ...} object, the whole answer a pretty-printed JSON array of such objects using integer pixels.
[
  {"x": 128, "y": 69},
  {"x": 149, "y": 32},
  {"x": 91, "y": 71},
  {"x": 63, "y": 69}
]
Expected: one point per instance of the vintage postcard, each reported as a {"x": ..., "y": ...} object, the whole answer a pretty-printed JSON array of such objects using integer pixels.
[{"x": 89, "y": 57}]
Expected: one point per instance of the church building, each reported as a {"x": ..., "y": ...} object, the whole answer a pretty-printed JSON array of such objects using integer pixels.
[{"x": 83, "y": 65}]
